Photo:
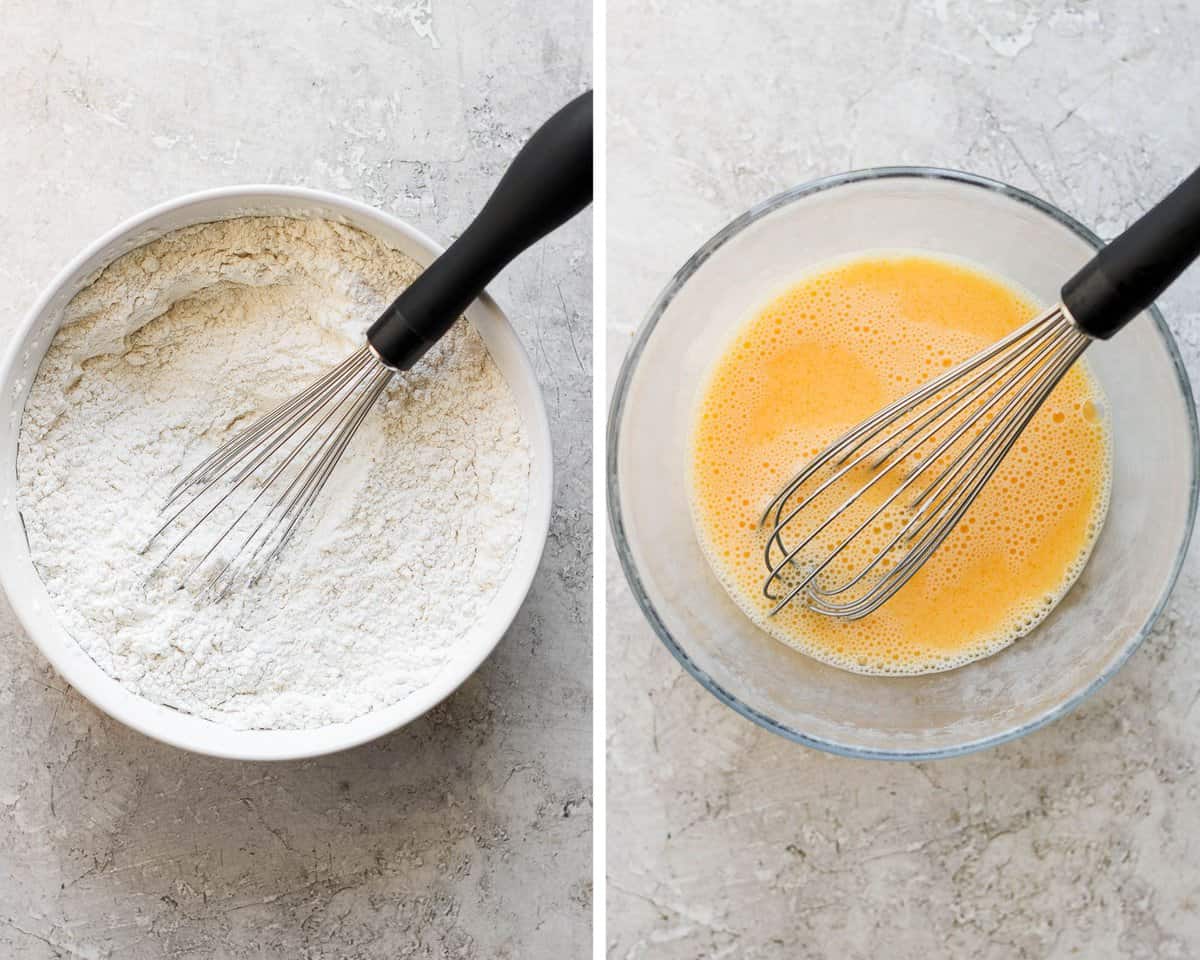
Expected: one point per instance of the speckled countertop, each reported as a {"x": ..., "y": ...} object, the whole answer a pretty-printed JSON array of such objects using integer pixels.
[
  {"x": 468, "y": 833},
  {"x": 726, "y": 841}
]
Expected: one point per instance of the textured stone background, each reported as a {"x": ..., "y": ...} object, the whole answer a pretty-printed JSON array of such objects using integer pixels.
[
  {"x": 468, "y": 833},
  {"x": 729, "y": 842}
]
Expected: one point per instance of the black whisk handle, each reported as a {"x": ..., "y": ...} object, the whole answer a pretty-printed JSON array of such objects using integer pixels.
[
  {"x": 1126, "y": 276},
  {"x": 547, "y": 183}
]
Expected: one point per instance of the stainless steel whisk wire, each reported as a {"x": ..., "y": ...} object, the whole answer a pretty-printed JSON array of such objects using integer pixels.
[
  {"x": 353, "y": 387},
  {"x": 1042, "y": 350},
  {"x": 972, "y": 416},
  {"x": 281, "y": 463}
]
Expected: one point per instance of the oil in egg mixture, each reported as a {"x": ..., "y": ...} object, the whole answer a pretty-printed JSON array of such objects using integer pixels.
[{"x": 832, "y": 350}]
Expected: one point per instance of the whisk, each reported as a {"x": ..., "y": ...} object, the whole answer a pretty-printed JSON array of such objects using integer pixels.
[
  {"x": 241, "y": 505},
  {"x": 860, "y": 519}
]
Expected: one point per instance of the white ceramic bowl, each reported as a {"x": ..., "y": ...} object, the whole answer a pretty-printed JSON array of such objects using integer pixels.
[{"x": 28, "y": 596}]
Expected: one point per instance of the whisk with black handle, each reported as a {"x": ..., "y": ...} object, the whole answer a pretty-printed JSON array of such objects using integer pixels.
[
  {"x": 858, "y": 521},
  {"x": 249, "y": 496}
]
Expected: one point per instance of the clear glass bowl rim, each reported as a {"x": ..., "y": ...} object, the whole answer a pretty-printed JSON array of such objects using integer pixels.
[{"x": 617, "y": 406}]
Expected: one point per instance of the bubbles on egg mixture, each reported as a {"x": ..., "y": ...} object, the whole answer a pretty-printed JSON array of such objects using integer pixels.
[{"x": 831, "y": 351}]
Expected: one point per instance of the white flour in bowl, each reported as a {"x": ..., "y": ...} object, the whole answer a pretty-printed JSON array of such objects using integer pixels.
[{"x": 178, "y": 344}]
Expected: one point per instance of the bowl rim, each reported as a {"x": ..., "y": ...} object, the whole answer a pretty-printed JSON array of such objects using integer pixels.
[
  {"x": 646, "y": 330},
  {"x": 89, "y": 680}
]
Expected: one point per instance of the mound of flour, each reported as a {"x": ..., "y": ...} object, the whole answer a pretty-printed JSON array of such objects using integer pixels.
[{"x": 173, "y": 348}]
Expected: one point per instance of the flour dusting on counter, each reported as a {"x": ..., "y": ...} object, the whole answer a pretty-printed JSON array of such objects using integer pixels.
[{"x": 171, "y": 350}]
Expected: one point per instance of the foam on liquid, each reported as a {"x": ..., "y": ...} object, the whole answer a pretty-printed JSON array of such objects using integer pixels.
[{"x": 829, "y": 352}]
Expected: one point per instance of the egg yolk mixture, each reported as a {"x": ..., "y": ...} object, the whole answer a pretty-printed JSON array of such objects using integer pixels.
[{"x": 831, "y": 351}]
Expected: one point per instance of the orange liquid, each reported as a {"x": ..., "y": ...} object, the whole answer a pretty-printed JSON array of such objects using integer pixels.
[{"x": 831, "y": 351}]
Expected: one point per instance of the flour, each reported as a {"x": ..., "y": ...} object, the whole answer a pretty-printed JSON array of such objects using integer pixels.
[{"x": 173, "y": 348}]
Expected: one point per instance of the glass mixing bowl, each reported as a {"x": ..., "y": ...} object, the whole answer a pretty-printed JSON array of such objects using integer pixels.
[{"x": 1069, "y": 655}]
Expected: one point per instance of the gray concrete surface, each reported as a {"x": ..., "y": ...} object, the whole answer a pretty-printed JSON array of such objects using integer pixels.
[
  {"x": 467, "y": 834},
  {"x": 725, "y": 841}
]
